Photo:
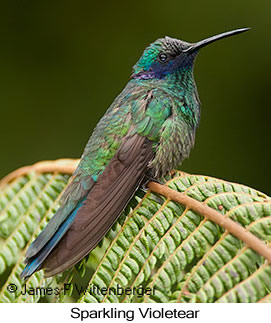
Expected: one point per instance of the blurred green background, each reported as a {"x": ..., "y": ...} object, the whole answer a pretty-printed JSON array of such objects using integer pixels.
[{"x": 63, "y": 62}]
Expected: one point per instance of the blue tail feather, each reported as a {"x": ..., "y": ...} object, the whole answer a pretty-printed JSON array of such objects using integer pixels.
[{"x": 35, "y": 263}]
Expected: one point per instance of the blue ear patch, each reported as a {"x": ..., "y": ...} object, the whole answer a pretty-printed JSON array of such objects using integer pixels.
[{"x": 161, "y": 70}]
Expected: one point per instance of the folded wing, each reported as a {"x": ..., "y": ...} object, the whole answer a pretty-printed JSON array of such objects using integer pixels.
[{"x": 103, "y": 204}]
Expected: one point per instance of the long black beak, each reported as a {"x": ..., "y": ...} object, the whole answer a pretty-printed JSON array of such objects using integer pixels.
[{"x": 212, "y": 39}]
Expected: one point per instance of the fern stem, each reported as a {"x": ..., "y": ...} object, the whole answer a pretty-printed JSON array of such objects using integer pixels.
[
  {"x": 234, "y": 228},
  {"x": 65, "y": 166},
  {"x": 265, "y": 299}
]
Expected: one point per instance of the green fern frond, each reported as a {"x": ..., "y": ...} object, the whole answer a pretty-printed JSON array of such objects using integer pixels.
[{"x": 157, "y": 244}]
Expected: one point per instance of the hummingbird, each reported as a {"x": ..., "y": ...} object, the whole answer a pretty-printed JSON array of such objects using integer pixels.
[{"x": 148, "y": 130}]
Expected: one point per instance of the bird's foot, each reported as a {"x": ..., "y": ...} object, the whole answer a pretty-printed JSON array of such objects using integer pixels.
[{"x": 149, "y": 178}]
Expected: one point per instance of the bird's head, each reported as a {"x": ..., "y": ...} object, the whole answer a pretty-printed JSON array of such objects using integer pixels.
[{"x": 169, "y": 55}]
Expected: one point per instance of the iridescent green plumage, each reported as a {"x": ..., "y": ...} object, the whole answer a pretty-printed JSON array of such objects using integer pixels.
[
  {"x": 167, "y": 117},
  {"x": 148, "y": 130}
]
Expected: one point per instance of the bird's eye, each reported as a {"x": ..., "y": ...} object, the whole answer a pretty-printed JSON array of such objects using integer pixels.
[{"x": 163, "y": 57}]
